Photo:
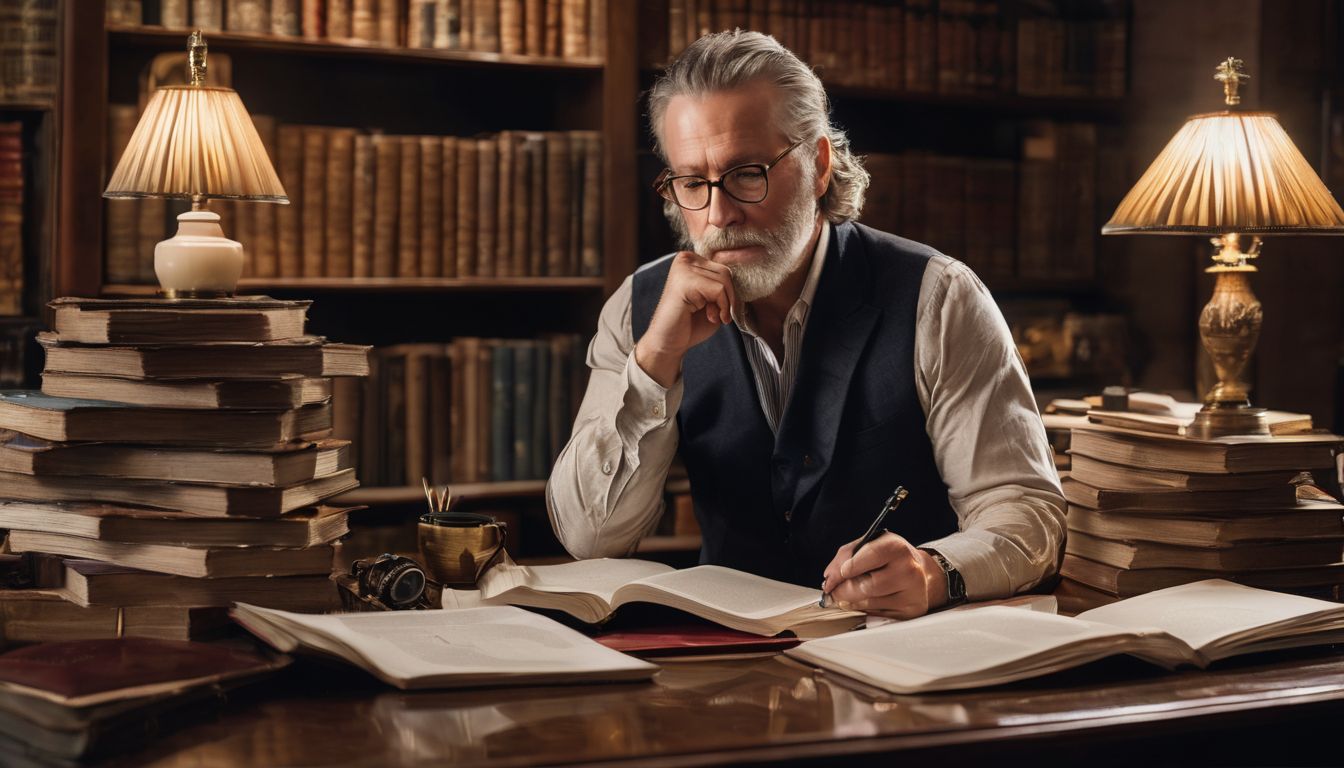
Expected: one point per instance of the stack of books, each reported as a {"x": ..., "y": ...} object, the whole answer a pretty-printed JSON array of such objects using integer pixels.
[
  {"x": 178, "y": 456},
  {"x": 1149, "y": 510}
]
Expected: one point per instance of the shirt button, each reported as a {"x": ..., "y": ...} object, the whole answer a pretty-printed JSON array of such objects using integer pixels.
[
  {"x": 606, "y": 467},
  {"x": 658, "y": 411}
]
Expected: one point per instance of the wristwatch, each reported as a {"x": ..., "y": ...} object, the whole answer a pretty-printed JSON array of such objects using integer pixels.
[{"x": 956, "y": 586}]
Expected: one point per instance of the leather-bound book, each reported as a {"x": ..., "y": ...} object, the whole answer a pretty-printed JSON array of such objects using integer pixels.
[
  {"x": 387, "y": 203},
  {"x": 448, "y": 209},
  {"x": 468, "y": 183},
  {"x": 487, "y": 205},
  {"x": 408, "y": 231},
  {"x": 340, "y": 187},
  {"x": 557, "y": 203},
  {"x": 431, "y": 205},
  {"x": 364, "y": 202},
  {"x": 314, "y": 200}
]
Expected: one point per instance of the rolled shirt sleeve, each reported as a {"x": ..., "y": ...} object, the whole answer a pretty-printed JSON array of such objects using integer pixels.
[
  {"x": 988, "y": 438},
  {"x": 606, "y": 489}
]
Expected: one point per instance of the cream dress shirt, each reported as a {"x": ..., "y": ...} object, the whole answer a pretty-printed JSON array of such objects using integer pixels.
[{"x": 606, "y": 490}]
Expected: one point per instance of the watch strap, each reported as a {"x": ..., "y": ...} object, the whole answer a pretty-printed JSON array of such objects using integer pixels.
[{"x": 956, "y": 585}]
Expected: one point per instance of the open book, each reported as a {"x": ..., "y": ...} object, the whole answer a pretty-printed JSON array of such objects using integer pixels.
[
  {"x": 447, "y": 649},
  {"x": 1194, "y": 624},
  {"x": 591, "y": 590}
]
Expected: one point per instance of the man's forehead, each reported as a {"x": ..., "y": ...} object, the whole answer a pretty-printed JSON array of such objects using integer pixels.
[{"x": 723, "y": 129}]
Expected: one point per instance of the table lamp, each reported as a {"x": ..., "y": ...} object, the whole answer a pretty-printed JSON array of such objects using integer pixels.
[
  {"x": 1229, "y": 174},
  {"x": 196, "y": 142}
]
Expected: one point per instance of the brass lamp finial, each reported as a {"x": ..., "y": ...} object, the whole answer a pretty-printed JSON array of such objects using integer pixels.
[
  {"x": 1230, "y": 75},
  {"x": 196, "y": 50}
]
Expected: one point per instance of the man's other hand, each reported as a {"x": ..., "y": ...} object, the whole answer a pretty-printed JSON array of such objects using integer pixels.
[
  {"x": 697, "y": 299},
  {"x": 888, "y": 577}
]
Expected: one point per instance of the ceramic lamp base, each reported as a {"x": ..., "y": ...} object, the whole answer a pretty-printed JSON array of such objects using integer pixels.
[{"x": 198, "y": 261}]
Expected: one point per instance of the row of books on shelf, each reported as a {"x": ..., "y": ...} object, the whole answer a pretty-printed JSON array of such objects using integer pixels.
[
  {"x": 556, "y": 28},
  {"x": 11, "y": 218},
  {"x": 512, "y": 204},
  {"x": 1046, "y": 48},
  {"x": 1031, "y": 219},
  {"x": 28, "y": 62},
  {"x": 472, "y": 410}
]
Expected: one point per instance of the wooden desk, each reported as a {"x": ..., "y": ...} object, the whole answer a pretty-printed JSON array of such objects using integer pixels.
[{"x": 1282, "y": 708}]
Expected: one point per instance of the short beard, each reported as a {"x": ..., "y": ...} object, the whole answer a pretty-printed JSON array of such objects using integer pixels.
[{"x": 783, "y": 245}]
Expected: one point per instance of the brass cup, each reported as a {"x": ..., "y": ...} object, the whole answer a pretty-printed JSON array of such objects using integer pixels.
[{"x": 456, "y": 547}]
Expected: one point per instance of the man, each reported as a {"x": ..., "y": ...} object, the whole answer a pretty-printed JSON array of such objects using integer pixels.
[{"x": 804, "y": 366}]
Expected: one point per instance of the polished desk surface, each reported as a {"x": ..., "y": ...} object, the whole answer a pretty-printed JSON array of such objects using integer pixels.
[{"x": 771, "y": 710}]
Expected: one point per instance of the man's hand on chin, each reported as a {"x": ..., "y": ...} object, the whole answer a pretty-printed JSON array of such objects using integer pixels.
[{"x": 888, "y": 577}]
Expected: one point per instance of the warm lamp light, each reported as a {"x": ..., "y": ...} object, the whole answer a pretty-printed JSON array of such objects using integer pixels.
[
  {"x": 196, "y": 142},
  {"x": 1229, "y": 174}
]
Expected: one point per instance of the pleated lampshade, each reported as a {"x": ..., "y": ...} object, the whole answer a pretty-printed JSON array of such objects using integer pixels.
[
  {"x": 1229, "y": 172},
  {"x": 196, "y": 142}
]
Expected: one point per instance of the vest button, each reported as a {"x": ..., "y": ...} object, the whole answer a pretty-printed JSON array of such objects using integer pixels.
[
  {"x": 807, "y": 460},
  {"x": 788, "y": 515}
]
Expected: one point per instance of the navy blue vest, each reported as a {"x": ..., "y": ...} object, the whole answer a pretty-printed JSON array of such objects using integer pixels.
[{"x": 853, "y": 429}]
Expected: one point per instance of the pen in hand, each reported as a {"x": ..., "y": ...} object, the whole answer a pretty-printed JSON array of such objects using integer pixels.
[{"x": 876, "y": 529}]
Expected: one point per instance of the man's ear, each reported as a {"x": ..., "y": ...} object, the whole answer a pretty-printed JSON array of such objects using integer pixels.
[{"x": 823, "y": 167}]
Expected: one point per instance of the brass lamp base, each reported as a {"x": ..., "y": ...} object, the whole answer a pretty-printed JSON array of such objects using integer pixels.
[{"x": 1213, "y": 421}]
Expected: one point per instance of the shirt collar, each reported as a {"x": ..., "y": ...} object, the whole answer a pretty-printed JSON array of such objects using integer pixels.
[{"x": 809, "y": 292}]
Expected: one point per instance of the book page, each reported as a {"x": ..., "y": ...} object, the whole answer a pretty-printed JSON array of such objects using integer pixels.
[
  {"x": 734, "y": 592},
  {"x": 1205, "y": 612},
  {"x": 601, "y": 577},
  {"x": 401, "y": 646}
]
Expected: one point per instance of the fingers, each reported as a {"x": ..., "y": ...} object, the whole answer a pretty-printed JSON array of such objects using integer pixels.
[
  {"x": 831, "y": 576},
  {"x": 693, "y": 272},
  {"x": 886, "y": 577}
]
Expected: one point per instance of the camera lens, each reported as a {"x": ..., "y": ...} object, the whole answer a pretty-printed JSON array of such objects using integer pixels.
[{"x": 407, "y": 586}]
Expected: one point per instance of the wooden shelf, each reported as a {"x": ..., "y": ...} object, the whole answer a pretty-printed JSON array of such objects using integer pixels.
[
  {"x": 409, "y": 494},
  {"x": 390, "y": 284},
  {"x": 21, "y": 105},
  {"x": 160, "y": 37}
]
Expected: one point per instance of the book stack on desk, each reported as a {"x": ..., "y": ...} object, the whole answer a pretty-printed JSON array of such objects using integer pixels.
[
  {"x": 177, "y": 456},
  {"x": 1148, "y": 510}
]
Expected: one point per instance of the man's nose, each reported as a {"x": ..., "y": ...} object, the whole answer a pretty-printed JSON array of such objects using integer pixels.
[{"x": 724, "y": 211}]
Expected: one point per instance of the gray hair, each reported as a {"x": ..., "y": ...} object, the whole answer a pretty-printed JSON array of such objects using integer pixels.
[{"x": 726, "y": 60}]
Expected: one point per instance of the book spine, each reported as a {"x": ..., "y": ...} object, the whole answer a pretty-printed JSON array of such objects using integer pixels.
[
  {"x": 574, "y": 29},
  {"x": 539, "y": 441},
  {"x": 502, "y": 407},
  {"x": 394, "y": 370},
  {"x": 468, "y": 183},
  {"x": 557, "y": 203},
  {"x": 534, "y": 27},
  {"x": 551, "y": 28},
  {"x": 591, "y": 218},
  {"x": 365, "y": 203},
  {"x": 207, "y": 15},
  {"x": 387, "y": 193},
  {"x": 313, "y": 18},
  {"x": 558, "y": 395},
  {"x": 11, "y": 219},
  {"x": 338, "y": 19},
  {"x": 431, "y": 205},
  {"x": 488, "y": 205},
  {"x": 597, "y": 29},
  {"x": 536, "y": 205},
  {"x": 485, "y": 21},
  {"x": 448, "y": 208},
  {"x": 240, "y": 229},
  {"x": 466, "y": 23},
  {"x": 457, "y": 428},
  {"x": 364, "y": 20},
  {"x": 289, "y": 233},
  {"x": 408, "y": 231},
  {"x": 417, "y": 416},
  {"x": 524, "y": 356},
  {"x": 286, "y": 18},
  {"x": 511, "y": 23},
  {"x": 420, "y": 24},
  {"x": 574, "y": 204},
  {"x": 676, "y": 27},
  {"x": 339, "y": 208},
  {"x": 173, "y": 13},
  {"x": 520, "y": 197},
  {"x": 485, "y": 419},
  {"x": 440, "y": 423},
  {"x": 314, "y": 200},
  {"x": 122, "y": 215},
  {"x": 389, "y": 23},
  {"x": 346, "y": 408},
  {"x": 371, "y": 450},
  {"x": 504, "y": 205},
  {"x": 469, "y": 408},
  {"x": 264, "y": 246},
  {"x": 251, "y": 16}
]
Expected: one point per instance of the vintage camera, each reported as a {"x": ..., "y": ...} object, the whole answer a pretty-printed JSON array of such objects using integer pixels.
[{"x": 394, "y": 581}]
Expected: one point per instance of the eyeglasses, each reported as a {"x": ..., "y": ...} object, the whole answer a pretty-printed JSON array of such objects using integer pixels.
[{"x": 748, "y": 183}]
